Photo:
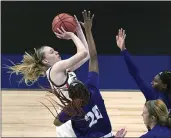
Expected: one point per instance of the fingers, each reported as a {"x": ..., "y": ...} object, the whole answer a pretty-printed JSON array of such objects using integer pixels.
[
  {"x": 87, "y": 15},
  {"x": 58, "y": 35},
  {"x": 92, "y": 17},
  {"x": 125, "y": 134},
  {"x": 59, "y": 30},
  {"x": 82, "y": 23},
  {"x": 76, "y": 19},
  {"x": 84, "y": 14},
  {"x": 63, "y": 29},
  {"x": 78, "y": 28},
  {"x": 116, "y": 37},
  {"x": 121, "y": 33},
  {"x": 121, "y": 133},
  {"x": 124, "y": 36},
  {"x": 117, "y": 133}
]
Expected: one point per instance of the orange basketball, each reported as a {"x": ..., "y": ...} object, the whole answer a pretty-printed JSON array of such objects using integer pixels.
[{"x": 66, "y": 21}]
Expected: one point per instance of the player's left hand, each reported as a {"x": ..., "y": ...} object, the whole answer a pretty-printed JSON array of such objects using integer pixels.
[
  {"x": 78, "y": 26},
  {"x": 120, "y": 39},
  {"x": 88, "y": 19},
  {"x": 121, "y": 133}
]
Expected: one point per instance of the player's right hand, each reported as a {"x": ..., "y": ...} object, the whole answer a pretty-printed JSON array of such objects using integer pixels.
[
  {"x": 121, "y": 133},
  {"x": 63, "y": 34}
]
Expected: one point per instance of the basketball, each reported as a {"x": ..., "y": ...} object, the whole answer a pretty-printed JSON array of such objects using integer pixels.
[{"x": 64, "y": 20}]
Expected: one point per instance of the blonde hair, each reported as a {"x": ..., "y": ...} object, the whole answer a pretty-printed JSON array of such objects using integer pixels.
[
  {"x": 31, "y": 67},
  {"x": 158, "y": 109}
]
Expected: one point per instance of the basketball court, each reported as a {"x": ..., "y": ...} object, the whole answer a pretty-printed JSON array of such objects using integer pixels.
[{"x": 24, "y": 116}]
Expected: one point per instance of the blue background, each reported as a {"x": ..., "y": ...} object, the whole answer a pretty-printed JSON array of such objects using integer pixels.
[{"x": 113, "y": 71}]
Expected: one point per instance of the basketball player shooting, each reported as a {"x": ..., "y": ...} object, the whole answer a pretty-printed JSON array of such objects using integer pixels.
[{"x": 45, "y": 61}]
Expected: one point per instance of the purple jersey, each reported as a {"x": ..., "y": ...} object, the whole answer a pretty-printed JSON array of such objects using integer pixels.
[
  {"x": 158, "y": 131},
  {"x": 149, "y": 92},
  {"x": 96, "y": 122}
]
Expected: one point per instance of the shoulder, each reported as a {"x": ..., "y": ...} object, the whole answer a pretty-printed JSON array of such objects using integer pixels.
[
  {"x": 71, "y": 73},
  {"x": 157, "y": 132},
  {"x": 71, "y": 77},
  {"x": 148, "y": 135},
  {"x": 48, "y": 71}
]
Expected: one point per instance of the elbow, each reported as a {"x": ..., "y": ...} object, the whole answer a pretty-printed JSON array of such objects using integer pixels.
[
  {"x": 83, "y": 55},
  {"x": 56, "y": 122}
]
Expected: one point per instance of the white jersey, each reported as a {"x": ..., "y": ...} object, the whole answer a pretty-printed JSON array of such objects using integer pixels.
[
  {"x": 65, "y": 130},
  {"x": 71, "y": 76}
]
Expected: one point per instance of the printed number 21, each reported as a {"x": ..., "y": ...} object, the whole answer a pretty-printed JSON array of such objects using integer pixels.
[{"x": 95, "y": 113}]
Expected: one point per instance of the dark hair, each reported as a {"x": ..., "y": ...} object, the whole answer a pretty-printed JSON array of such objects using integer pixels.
[
  {"x": 165, "y": 77},
  {"x": 31, "y": 67},
  {"x": 79, "y": 95}
]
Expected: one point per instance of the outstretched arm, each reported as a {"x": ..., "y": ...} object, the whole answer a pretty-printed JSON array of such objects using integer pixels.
[
  {"x": 81, "y": 36},
  {"x": 93, "y": 75},
  {"x": 62, "y": 65},
  {"x": 148, "y": 91},
  {"x": 93, "y": 63}
]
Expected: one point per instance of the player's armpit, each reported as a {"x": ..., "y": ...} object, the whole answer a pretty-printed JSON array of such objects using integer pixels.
[{"x": 56, "y": 122}]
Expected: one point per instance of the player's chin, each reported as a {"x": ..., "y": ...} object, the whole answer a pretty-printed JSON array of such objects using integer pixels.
[
  {"x": 59, "y": 59},
  {"x": 154, "y": 86},
  {"x": 145, "y": 123}
]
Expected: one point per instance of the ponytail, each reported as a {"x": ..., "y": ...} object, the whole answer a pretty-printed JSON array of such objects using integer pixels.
[
  {"x": 74, "y": 108},
  {"x": 31, "y": 67}
]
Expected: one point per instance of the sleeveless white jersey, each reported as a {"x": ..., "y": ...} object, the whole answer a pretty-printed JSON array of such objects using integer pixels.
[
  {"x": 65, "y": 130},
  {"x": 71, "y": 76}
]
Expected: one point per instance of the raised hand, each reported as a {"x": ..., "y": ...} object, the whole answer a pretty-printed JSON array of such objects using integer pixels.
[
  {"x": 120, "y": 39},
  {"x": 121, "y": 133},
  {"x": 63, "y": 34},
  {"x": 88, "y": 19},
  {"x": 78, "y": 26}
]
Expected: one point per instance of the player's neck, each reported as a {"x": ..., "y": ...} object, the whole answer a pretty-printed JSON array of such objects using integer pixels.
[{"x": 152, "y": 125}]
